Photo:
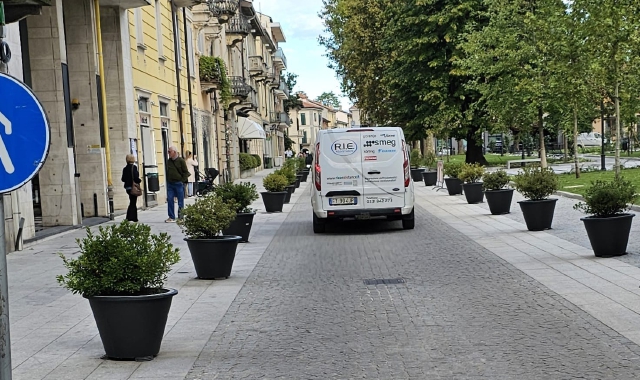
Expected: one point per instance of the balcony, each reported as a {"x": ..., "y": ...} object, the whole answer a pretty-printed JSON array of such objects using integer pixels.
[
  {"x": 223, "y": 9},
  {"x": 282, "y": 92},
  {"x": 256, "y": 65},
  {"x": 16, "y": 10},
  {"x": 279, "y": 118},
  {"x": 210, "y": 73},
  {"x": 280, "y": 60},
  {"x": 273, "y": 79},
  {"x": 185, "y": 3},
  {"x": 238, "y": 24},
  {"x": 239, "y": 87}
]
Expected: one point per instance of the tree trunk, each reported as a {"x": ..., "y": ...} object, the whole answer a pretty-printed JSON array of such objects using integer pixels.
[
  {"x": 543, "y": 150},
  {"x": 474, "y": 151},
  {"x": 565, "y": 142},
  {"x": 575, "y": 140},
  {"x": 617, "y": 102}
]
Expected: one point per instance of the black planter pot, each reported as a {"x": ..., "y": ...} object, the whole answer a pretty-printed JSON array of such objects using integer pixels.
[
  {"x": 416, "y": 174},
  {"x": 213, "y": 258},
  {"x": 609, "y": 236},
  {"x": 132, "y": 326},
  {"x": 499, "y": 201},
  {"x": 290, "y": 190},
  {"x": 241, "y": 226},
  {"x": 273, "y": 201},
  {"x": 473, "y": 192},
  {"x": 430, "y": 178},
  {"x": 293, "y": 187},
  {"x": 305, "y": 176},
  {"x": 298, "y": 180},
  {"x": 454, "y": 186},
  {"x": 538, "y": 215}
]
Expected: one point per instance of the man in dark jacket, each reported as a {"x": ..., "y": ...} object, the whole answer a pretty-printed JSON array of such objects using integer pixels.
[{"x": 177, "y": 175}]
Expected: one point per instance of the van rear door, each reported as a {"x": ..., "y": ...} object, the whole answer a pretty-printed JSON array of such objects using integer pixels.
[
  {"x": 383, "y": 158},
  {"x": 341, "y": 168}
]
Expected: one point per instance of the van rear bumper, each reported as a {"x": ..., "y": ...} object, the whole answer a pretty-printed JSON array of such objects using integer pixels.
[{"x": 352, "y": 213}]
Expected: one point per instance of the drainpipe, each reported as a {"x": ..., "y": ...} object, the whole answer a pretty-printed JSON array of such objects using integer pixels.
[
  {"x": 194, "y": 144},
  {"x": 176, "y": 48},
  {"x": 107, "y": 148}
]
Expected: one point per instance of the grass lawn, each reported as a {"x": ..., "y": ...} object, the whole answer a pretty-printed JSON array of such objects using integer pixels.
[
  {"x": 569, "y": 182},
  {"x": 496, "y": 159}
]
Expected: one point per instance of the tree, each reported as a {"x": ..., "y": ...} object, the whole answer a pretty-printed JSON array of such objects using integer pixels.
[
  {"x": 291, "y": 79},
  {"x": 329, "y": 99}
]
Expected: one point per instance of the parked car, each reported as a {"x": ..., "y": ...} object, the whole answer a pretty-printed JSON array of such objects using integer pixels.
[
  {"x": 361, "y": 173},
  {"x": 590, "y": 139}
]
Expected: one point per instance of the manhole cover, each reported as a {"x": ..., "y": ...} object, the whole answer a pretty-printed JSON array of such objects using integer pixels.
[{"x": 384, "y": 281}]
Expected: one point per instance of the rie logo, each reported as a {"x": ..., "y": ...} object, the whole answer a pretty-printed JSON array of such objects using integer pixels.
[{"x": 344, "y": 147}]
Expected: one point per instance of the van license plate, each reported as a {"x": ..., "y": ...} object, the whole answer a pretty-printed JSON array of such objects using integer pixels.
[{"x": 339, "y": 201}]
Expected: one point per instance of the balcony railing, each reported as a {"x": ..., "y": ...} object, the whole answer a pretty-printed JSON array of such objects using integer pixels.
[
  {"x": 256, "y": 66},
  {"x": 280, "y": 117},
  {"x": 223, "y": 7},
  {"x": 238, "y": 24},
  {"x": 284, "y": 88},
  {"x": 239, "y": 87},
  {"x": 280, "y": 59}
]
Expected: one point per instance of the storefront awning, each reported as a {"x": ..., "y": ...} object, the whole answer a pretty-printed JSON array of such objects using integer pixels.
[{"x": 248, "y": 129}]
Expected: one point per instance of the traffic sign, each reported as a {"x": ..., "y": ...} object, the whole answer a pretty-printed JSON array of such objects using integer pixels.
[{"x": 24, "y": 134}]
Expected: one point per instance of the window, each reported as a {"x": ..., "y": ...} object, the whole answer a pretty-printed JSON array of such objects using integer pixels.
[
  {"x": 139, "y": 32},
  {"x": 190, "y": 47},
  {"x": 201, "y": 42},
  {"x": 314, "y": 117},
  {"x": 303, "y": 119},
  {"x": 143, "y": 104},
  {"x": 159, "y": 29},
  {"x": 163, "y": 109},
  {"x": 176, "y": 36}
]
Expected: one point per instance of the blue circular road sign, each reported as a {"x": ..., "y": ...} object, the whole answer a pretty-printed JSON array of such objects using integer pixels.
[{"x": 24, "y": 134}]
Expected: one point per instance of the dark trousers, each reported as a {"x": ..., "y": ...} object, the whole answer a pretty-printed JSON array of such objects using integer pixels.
[{"x": 132, "y": 210}]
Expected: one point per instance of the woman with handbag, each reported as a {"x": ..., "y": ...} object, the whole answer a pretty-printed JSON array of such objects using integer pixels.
[{"x": 131, "y": 179}]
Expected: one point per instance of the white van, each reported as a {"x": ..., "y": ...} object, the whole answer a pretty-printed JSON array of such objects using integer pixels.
[
  {"x": 589, "y": 139},
  {"x": 361, "y": 173}
]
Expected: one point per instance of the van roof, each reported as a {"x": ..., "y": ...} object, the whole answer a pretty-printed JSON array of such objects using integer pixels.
[{"x": 359, "y": 129}]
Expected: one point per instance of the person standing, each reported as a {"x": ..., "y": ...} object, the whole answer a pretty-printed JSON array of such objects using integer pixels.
[
  {"x": 177, "y": 175},
  {"x": 130, "y": 175},
  {"x": 192, "y": 164},
  {"x": 288, "y": 153}
]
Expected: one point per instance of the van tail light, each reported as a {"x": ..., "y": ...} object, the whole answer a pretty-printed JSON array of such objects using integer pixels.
[
  {"x": 405, "y": 166},
  {"x": 318, "y": 178}
]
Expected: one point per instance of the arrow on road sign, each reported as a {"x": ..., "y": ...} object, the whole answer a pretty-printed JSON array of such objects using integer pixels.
[{"x": 4, "y": 154}]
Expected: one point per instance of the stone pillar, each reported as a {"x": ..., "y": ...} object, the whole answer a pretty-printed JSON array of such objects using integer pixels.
[{"x": 47, "y": 53}]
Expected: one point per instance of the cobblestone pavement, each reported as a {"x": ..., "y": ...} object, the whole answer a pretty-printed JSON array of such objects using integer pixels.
[{"x": 463, "y": 313}]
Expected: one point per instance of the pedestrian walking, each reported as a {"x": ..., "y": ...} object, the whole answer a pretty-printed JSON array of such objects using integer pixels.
[
  {"x": 177, "y": 175},
  {"x": 308, "y": 159},
  {"x": 288, "y": 153},
  {"x": 131, "y": 179},
  {"x": 192, "y": 166}
]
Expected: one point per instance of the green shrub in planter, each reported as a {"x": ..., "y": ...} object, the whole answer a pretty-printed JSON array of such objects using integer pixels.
[
  {"x": 429, "y": 159},
  {"x": 206, "y": 217},
  {"x": 301, "y": 163},
  {"x": 495, "y": 181},
  {"x": 240, "y": 195},
  {"x": 452, "y": 169},
  {"x": 257, "y": 159},
  {"x": 415, "y": 158},
  {"x": 247, "y": 161},
  {"x": 275, "y": 182},
  {"x": 603, "y": 199},
  {"x": 121, "y": 259},
  {"x": 471, "y": 173},
  {"x": 289, "y": 173},
  {"x": 536, "y": 183}
]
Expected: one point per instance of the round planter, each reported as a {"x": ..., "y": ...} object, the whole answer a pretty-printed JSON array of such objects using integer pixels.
[
  {"x": 241, "y": 226},
  {"x": 473, "y": 192},
  {"x": 608, "y": 236},
  {"x": 430, "y": 178},
  {"x": 298, "y": 180},
  {"x": 213, "y": 258},
  {"x": 132, "y": 327},
  {"x": 538, "y": 215},
  {"x": 454, "y": 186},
  {"x": 416, "y": 174},
  {"x": 499, "y": 201},
  {"x": 273, "y": 201}
]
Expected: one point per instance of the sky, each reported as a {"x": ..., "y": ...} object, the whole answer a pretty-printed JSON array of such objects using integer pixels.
[{"x": 305, "y": 56}]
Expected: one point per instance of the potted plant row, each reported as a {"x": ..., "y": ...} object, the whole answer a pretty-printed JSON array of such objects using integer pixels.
[
  {"x": 121, "y": 270},
  {"x": 202, "y": 222},
  {"x": 471, "y": 174},
  {"x": 608, "y": 226},
  {"x": 415, "y": 161},
  {"x": 430, "y": 175},
  {"x": 274, "y": 197},
  {"x": 536, "y": 184},
  {"x": 452, "y": 171},
  {"x": 241, "y": 196},
  {"x": 498, "y": 196}
]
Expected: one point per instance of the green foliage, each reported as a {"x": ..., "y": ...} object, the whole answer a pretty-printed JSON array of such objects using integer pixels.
[
  {"x": 536, "y": 183},
  {"x": 429, "y": 159},
  {"x": 415, "y": 158},
  {"x": 240, "y": 195},
  {"x": 471, "y": 173},
  {"x": 213, "y": 69},
  {"x": 452, "y": 169},
  {"x": 301, "y": 163},
  {"x": 121, "y": 259},
  {"x": 288, "y": 143},
  {"x": 289, "y": 172},
  {"x": 495, "y": 180},
  {"x": 607, "y": 198},
  {"x": 329, "y": 99},
  {"x": 248, "y": 161},
  {"x": 206, "y": 217},
  {"x": 293, "y": 102},
  {"x": 258, "y": 160},
  {"x": 275, "y": 182}
]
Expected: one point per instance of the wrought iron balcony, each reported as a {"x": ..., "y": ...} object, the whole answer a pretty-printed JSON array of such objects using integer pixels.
[
  {"x": 280, "y": 118},
  {"x": 239, "y": 87},
  {"x": 238, "y": 24},
  {"x": 223, "y": 7},
  {"x": 280, "y": 60},
  {"x": 284, "y": 88}
]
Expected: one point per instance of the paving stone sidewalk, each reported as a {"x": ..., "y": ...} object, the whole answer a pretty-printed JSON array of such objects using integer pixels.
[{"x": 53, "y": 332}]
